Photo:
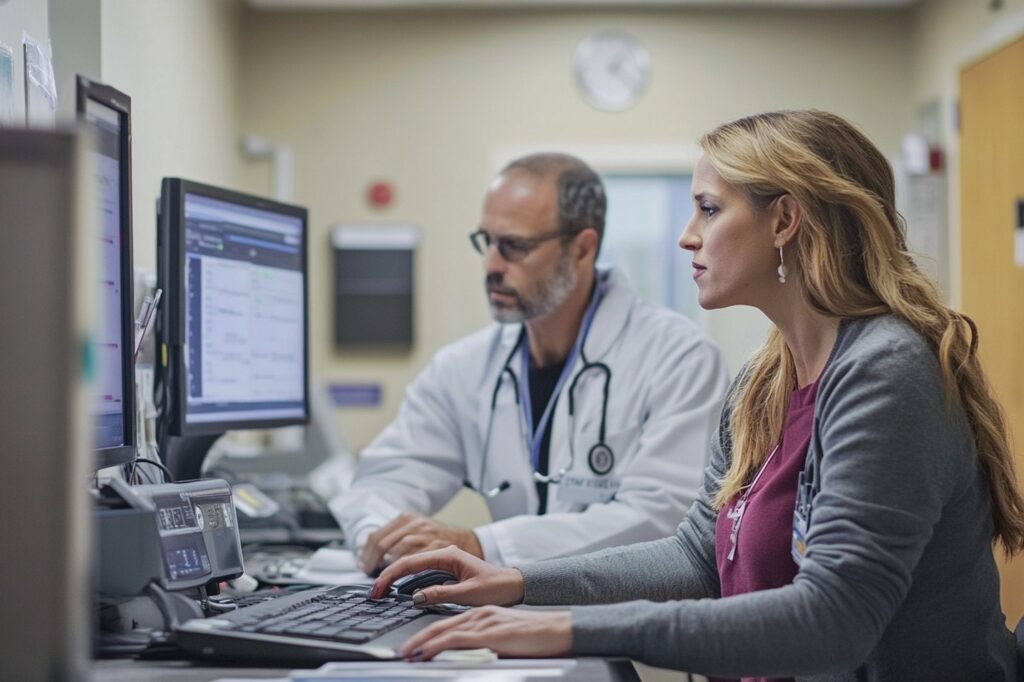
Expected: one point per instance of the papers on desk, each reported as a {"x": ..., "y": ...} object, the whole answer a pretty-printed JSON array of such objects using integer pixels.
[
  {"x": 501, "y": 670},
  {"x": 332, "y": 566}
]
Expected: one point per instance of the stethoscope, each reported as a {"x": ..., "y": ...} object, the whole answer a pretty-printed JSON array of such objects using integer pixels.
[{"x": 601, "y": 457}]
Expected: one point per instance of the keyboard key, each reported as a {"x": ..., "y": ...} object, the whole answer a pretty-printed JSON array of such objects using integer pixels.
[
  {"x": 275, "y": 629},
  {"x": 346, "y": 623},
  {"x": 353, "y": 637},
  {"x": 303, "y": 629},
  {"x": 328, "y": 631}
]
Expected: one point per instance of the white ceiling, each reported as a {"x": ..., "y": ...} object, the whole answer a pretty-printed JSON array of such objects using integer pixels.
[{"x": 620, "y": 4}]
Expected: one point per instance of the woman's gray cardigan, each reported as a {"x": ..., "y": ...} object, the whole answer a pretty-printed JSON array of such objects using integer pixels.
[{"x": 899, "y": 580}]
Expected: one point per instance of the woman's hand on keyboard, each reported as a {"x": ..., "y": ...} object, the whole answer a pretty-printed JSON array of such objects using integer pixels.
[
  {"x": 479, "y": 582},
  {"x": 513, "y": 633}
]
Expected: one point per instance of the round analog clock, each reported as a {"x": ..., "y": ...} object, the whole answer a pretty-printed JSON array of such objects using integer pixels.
[{"x": 611, "y": 70}]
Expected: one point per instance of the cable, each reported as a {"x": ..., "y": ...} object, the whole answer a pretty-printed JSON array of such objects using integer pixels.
[
  {"x": 162, "y": 400},
  {"x": 220, "y": 607},
  {"x": 168, "y": 477},
  {"x": 162, "y": 603}
]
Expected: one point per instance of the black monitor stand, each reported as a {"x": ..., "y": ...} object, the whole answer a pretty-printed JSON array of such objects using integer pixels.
[{"x": 184, "y": 455}]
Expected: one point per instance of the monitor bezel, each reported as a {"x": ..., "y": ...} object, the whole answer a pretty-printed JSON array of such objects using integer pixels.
[
  {"x": 85, "y": 90},
  {"x": 172, "y": 332}
]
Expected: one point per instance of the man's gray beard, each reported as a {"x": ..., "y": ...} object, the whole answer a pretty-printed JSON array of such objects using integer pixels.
[{"x": 551, "y": 294}]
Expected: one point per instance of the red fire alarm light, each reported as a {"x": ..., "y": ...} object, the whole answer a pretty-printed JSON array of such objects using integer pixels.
[{"x": 380, "y": 194}]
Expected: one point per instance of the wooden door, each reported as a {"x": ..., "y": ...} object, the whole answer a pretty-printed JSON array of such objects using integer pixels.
[{"x": 992, "y": 285}]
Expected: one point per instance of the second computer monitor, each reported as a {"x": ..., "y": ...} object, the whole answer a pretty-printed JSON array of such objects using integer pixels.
[
  {"x": 108, "y": 113},
  {"x": 234, "y": 336}
]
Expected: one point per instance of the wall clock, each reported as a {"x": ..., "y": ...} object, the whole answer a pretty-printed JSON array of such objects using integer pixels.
[{"x": 612, "y": 70}]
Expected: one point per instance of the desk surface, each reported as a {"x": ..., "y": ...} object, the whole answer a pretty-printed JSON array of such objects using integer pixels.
[{"x": 587, "y": 670}]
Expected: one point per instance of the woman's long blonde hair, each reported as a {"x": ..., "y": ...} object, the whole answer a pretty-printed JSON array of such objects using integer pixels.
[{"x": 854, "y": 263}]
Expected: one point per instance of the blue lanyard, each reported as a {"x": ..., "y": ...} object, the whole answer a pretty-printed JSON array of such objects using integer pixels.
[{"x": 535, "y": 438}]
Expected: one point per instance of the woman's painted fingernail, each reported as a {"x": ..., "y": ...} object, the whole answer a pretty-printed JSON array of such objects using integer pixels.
[
  {"x": 417, "y": 655},
  {"x": 418, "y": 597}
]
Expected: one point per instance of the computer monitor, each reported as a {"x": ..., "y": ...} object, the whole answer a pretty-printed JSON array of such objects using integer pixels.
[
  {"x": 232, "y": 337},
  {"x": 108, "y": 113}
]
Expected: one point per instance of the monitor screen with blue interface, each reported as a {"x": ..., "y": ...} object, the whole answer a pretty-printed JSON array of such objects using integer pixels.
[{"x": 244, "y": 346}]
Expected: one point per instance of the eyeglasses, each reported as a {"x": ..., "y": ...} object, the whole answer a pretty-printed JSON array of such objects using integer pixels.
[{"x": 512, "y": 249}]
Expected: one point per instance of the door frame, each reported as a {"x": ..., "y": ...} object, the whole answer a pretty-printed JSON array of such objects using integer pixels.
[{"x": 996, "y": 36}]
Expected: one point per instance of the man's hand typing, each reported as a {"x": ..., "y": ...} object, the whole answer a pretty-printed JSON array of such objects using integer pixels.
[{"x": 410, "y": 533}]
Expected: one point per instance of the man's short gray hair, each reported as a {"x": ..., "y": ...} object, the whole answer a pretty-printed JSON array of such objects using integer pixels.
[{"x": 582, "y": 201}]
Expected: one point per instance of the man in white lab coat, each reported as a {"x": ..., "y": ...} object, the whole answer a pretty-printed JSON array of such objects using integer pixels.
[{"x": 583, "y": 416}]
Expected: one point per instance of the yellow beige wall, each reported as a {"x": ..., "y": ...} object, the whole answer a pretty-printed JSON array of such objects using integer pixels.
[
  {"x": 179, "y": 62},
  {"x": 426, "y": 99}
]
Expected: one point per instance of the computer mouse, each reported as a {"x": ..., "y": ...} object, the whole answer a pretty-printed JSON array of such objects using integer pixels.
[{"x": 417, "y": 581}]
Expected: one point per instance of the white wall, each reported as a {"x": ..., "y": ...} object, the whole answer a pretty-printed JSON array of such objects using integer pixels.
[
  {"x": 178, "y": 61},
  {"x": 428, "y": 99}
]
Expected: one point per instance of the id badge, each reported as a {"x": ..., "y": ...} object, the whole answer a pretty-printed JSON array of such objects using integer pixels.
[
  {"x": 801, "y": 520},
  {"x": 799, "y": 545},
  {"x": 587, "y": 489}
]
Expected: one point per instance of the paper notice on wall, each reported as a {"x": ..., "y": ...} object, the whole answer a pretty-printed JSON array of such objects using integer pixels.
[
  {"x": 6, "y": 86},
  {"x": 1018, "y": 236},
  {"x": 40, "y": 84}
]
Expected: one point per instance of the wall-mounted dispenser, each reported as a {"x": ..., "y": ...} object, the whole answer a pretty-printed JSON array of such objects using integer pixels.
[{"x": 373, "y": 286}]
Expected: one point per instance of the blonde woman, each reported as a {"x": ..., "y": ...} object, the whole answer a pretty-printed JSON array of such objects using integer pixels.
[{"x": 860, "y": 478}]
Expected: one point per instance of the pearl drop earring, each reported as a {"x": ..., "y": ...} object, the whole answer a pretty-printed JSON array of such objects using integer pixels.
[{"x": 783, "y": 271}]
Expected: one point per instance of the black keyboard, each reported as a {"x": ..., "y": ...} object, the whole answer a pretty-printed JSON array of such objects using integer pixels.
[
  {"x": 346, "y": 617},
  {"x": 304, "y": 627}
]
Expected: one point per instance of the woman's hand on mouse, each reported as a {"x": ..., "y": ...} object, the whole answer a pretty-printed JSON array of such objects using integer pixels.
[
  {"x": 479, "y": 582},
  {"x": 508, "y": 632}
]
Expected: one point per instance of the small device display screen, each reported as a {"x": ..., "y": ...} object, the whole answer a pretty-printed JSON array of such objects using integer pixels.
[
  {"x": 198, "y": 535},
  {"x": 185, "y": 556},
  {"x": 175, "y": 513},
  {"x": 216, "y": 515}
]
